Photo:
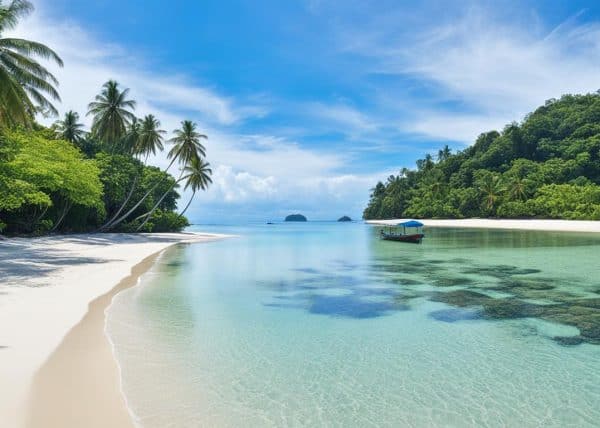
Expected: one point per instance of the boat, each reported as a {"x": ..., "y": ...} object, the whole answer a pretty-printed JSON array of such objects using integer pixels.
[{"x": 412, "y": 232}]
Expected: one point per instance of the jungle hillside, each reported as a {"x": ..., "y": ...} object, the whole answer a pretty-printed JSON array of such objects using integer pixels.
[{"x": 547, "y": 166}]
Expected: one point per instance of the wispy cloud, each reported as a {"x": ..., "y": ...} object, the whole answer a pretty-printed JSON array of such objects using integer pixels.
[
  {"x": 249, "y": 168},
  {"x": 476, "y": 71}
]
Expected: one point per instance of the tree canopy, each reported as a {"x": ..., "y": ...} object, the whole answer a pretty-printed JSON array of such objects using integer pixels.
[{"x": 548, "y": 166}]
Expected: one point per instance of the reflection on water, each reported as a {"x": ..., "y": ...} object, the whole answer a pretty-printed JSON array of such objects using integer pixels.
[{"x": 326, "y": 325}]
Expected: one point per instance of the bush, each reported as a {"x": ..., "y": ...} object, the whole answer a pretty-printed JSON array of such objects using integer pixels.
[{"x": 166, "y": 221}]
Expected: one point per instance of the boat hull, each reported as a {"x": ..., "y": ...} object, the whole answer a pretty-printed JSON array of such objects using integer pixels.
[{"x": 415, "y": 238}]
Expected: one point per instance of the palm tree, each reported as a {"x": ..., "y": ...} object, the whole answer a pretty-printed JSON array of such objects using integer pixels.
[
  {"x": 444, "y": 153},
  {"x": 151, "y": 136},
  {"x": 131, "y": 139},
  {"x": 186, "y": 143},
  {"x": 111, "y": 113},
  {"x": 518, "y": 188},
  {"x": 492, "y": 188},
  {"x": 186, "y": 147},
  {"x": 197, "y": 176},
  {"x": 25, "y": 85},
  {"x": 69, "y": 128}
]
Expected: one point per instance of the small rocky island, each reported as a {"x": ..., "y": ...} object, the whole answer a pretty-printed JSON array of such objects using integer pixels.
[
  {"x": 295, "y": 217},
  {"x": 344, "y": 218}
]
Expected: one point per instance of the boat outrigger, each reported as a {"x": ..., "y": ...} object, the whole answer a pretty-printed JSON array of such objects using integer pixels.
[{"x": 412, "y": 232}]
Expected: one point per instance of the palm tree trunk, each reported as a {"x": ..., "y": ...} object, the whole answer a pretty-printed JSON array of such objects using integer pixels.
[
  {"x": 188, "y": 205},
  {"x": 128, "y": 213},
  {"x": 108, "y": 223},
  {"x": 148, "y": 215}
]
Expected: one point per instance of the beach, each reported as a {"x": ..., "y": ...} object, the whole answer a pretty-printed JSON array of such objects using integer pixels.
[
  {"x": 56, "y": 363},
  {"x": 481, "y": 223}
]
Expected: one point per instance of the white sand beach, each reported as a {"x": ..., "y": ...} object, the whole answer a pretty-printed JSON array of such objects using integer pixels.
[
  {"x": 56, "y": 364},
  {"x": 480, "y": 223}
]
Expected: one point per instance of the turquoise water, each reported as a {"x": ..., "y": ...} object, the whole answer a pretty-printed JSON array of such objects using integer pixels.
[{"x": 323, "y": 324}]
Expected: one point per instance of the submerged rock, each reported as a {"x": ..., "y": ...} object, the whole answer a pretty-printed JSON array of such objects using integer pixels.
[
  {"x": 568, "y": 340},
  {"x": 461, "y": 298}
]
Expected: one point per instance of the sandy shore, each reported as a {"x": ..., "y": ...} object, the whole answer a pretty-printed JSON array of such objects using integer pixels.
[
  {"x": 56, "y": 364},
  {"x": 549, "y": 225}
]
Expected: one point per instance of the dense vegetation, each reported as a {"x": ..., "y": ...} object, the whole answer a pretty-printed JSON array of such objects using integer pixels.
[
  {"x": 546, "y": 167},
  {"x": 63, "y": 178}
]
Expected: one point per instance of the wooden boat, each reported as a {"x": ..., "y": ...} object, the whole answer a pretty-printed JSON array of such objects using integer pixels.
[{"x": 412, "y": 232}]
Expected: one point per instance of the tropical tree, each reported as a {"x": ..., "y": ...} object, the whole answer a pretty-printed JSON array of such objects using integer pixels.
[
  {"x": 186, "y": 146},
  {"x": 70, "y": 129},
  {"x": 151, "y": 137},
  {"x": 131, "y": 139},
  {"x": 518, "y": 188},
  {"x": 186, "y": 143},
  {"x": 112, "y": 114},
  {"x": 197, "y": 176},
  {"x": 26, "y": 87},
  {"x": 491, "y": 187},
  {"x": 444, "y": 153}
]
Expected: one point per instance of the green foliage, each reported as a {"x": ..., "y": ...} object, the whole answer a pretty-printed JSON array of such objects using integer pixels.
[
  {"x": 166, "y": 221},
  {"x": 548, "y": 167},
  {"x": 25, "y": 85},
  {"x": 38, "y": 174}
]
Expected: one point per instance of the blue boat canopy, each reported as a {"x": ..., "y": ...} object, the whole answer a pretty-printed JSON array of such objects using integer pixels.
[{"x": 411, "y": 223}]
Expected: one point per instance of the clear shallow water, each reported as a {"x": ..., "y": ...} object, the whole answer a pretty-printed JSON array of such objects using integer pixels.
[{"x": 323, "y": 324}]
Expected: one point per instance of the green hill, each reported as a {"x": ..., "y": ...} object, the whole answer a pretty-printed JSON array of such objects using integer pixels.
[{"x": 548, "y": 166}]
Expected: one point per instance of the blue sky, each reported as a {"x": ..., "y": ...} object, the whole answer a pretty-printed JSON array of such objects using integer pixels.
[{"x": 308, "y": 103}]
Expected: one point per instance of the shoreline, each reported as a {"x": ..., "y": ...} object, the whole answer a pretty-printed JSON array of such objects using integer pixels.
[
  {"x": 56, "y": 290},
  {"x": 588, "y": 226}
]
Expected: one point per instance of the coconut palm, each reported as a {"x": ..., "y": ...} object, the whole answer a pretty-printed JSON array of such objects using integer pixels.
[
  {"x": 186, "y": 143},
  {"x": 492, "y": 188},
  {"x": 444, "y": 153},
  {"x": 131, "y": 139},
  {"x": 186, "y": 146},
  {"x": 196, "y": 175},
  {"x": 151, "y": 136},
  {"x": 69, "y": 128},
  {"x": 518, "y": 188},
  {"x": 111, "y": 114},
  {"x": 26, "y": 87}
]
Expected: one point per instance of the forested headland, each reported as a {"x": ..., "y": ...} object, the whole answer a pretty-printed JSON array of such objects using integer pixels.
[
  {"x": 548, "y": 166},
  {"x": 63, "y": 178}
]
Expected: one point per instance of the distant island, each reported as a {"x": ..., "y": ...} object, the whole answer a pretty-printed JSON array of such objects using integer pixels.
[
  {"x": 547, "y": 166},
  {"x": 295, "y": 217},
  {"x": 344, "y": 218}
]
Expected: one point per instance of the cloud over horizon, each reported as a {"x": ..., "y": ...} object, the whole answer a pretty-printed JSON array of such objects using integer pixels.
[{"x": 314, "y": 129}]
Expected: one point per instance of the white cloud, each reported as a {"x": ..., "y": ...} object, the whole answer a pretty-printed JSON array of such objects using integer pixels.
[
  {"x": 476, "y": 71},
  {"x": 249, "y": 169}
]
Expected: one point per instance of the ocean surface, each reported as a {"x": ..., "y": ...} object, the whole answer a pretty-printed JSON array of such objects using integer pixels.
[{"x": 323, "y": 324}]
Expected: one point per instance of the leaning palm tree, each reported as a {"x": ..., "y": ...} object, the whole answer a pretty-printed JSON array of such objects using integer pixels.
[
  {"x": 186, "y": 146},
  {"x": 112, "y": 114},
  {"x": 69, "y": 128},
  {"x": 196, "y": 175},
  {"x": 197, "y": 178},
  {"x": 25, "y": 85},
  {"x": 186, "y": 143},
  {"x": 151, "y": 137}
]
